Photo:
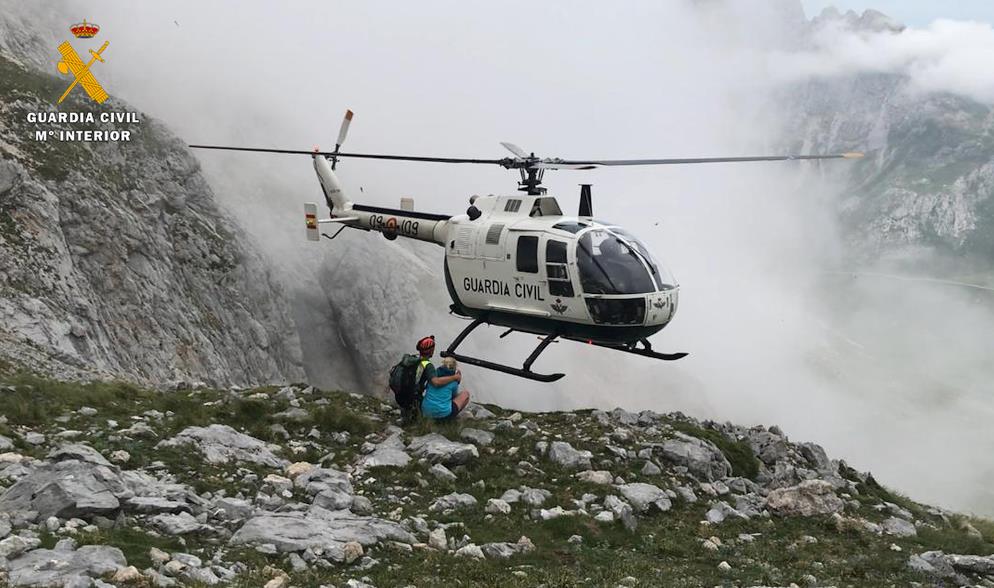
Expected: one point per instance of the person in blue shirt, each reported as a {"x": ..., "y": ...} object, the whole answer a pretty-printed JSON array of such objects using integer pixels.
[{"x": 443, "y": 400}]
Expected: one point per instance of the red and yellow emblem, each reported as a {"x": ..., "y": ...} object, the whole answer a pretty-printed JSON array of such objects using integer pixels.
[
  {"x": 84, "y": 30},
  {"x": 71, "y": 63}
]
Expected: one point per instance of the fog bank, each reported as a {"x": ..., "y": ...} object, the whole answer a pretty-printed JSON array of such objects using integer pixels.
[{"x": 877, "y": 380}]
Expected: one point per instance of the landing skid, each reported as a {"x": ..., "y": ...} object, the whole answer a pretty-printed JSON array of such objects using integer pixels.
[
  {"x": 644, "y": 351},
  {"x": 525, "y": 370}
]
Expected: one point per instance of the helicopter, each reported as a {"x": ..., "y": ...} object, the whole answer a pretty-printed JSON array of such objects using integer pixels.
[{"x": 518, "y": 262}]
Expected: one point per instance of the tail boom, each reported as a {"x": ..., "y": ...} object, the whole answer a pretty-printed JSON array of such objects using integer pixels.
[{"x": 392, "y": 222}]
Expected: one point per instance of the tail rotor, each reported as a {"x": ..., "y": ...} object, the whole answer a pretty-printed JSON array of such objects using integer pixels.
[{"x": 342, "y": 133}]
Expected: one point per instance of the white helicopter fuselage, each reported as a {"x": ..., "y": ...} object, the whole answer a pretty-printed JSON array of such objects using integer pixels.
[
  {"x": 525, "y": 265},
  {"x": 519, "y": 262}
]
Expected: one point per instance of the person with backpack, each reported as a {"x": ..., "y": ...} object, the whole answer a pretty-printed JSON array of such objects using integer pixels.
[
  {"x": 444, "y": 402},
  {"x": 410, "y": 377}
]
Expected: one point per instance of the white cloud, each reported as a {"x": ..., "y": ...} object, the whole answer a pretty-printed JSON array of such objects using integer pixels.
[{"x": 947, "y": 56}]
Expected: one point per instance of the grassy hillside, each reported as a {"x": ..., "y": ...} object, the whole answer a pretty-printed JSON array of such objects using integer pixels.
[{"x": 674, "y": 548}]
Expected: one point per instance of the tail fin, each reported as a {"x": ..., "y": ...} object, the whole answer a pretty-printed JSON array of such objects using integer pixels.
[{"x": 333, "y": 194}]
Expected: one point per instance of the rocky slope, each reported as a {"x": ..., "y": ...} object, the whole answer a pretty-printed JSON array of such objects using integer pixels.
[
  {"x": 928, "y": 180},
  {"x": 295, "y": 486},
  {"x": 114, "y": 257}
]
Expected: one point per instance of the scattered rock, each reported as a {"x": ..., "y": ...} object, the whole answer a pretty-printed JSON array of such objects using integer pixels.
[
  {"x": 120, "y": 456},
  {"x": 437, "y": 449},
  {"x": 507, "y": 550},
  {"x": 720, "y": 511},
  {"x": 686, "y": 494},
  {"x": 477, "y": 411},
  {"x": 318, "y": 528},
  {"x": 565, "y": 455},
  {"x": 809, "y": 498},
  {"x": 497, "y": 506},
  {"x": 221, "y": 444},
  {"x": 437, "y": 539},
  {"x": 301, "y": 467},
  {"x": 441, "y": 472},
  {"x": 622, "y": 511},
  {"x": 176, "y": 524},
  {"x": 534, "y": 496},
  {"x": 899, "y": 527},
  {"x": 318, "y": 480},
  {"x": 128, "y": 574},
  {"x": 333, "y": 499},
  {"x": 651, "y": 469},
  {"x": 596, "y": 477},
  {"x": 481, "y": 438},
  {"x": 64, "y": 566},
  {"x": 453, "y": 501},
  {"x": 472, "y": 551},
  {"x": 700, "y": 457},
  {"x": 642, "y": 496},
  {"x": 66, "y": 489},
  {"x": 15, "y": 545},
  {"x": 388, "y": 453},
  {"x": 79, "y": 452},
  {"x": 351, "y": 551}
]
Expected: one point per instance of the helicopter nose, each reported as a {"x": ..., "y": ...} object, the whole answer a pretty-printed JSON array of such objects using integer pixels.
[{"x": 662, "y": 306}]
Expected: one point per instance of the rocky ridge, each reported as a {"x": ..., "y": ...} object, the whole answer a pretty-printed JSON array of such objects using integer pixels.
[
  {"x": 115, "y": 258},
  {"x": 295, "y": 486},
  {"x": 928, "y": 179}
]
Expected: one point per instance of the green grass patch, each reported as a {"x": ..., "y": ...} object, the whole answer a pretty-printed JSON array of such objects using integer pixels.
[
  {"x": 872, "y": 492},
  {"x": 338, "y": 417},
  {"x": 36, "y": 400},
  {"x": 985, "y": 526},
  {"x": 133, "y": 543}
]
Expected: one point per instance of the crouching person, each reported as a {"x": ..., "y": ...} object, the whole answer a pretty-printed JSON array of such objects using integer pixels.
[{"x": 443, "y": 400}]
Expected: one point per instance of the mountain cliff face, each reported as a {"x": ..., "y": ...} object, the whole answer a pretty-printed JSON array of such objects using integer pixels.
[
  {"x": 928, "y": 178},
  {"x": 114, "y": 257}
]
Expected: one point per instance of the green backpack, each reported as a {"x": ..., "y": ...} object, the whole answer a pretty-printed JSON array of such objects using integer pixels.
[{"x": 404, "y": 381}]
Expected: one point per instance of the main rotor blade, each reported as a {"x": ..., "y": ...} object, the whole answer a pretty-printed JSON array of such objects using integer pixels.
[
  {"x": 590, "y": 164},
  {"x": 355, "y": 155},
  {"x": 517, "y": 151}
]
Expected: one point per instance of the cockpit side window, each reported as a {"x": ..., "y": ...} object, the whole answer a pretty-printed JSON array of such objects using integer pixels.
[{"x": 609, "y": 265}]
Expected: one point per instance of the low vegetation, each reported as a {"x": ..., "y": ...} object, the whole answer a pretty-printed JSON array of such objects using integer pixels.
[{"x": 667, "y": 549}]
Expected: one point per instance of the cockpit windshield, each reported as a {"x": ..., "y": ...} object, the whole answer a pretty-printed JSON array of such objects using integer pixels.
[
  {"x": 613, "y": 261},
  {"x": 662, "y": 276}
]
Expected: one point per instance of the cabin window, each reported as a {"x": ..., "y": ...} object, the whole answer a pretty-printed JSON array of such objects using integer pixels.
[
  {"x": 527, "y": 255},
  {"x": 545, "y": 206},
  {"x": 557, "y": 270},
  {"x": 512, "y": 205},
  {"x": 570, "y": 226}
]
